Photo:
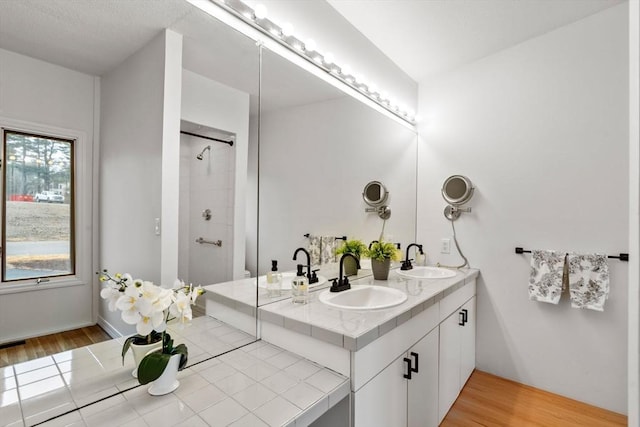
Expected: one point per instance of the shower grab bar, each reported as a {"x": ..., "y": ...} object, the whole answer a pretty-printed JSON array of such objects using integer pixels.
[
  {"x": 621, "y": 257},
  {"x": 204, "y": 241}
]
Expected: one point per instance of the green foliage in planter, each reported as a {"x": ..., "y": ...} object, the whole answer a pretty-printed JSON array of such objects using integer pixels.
[
  {"x": 154, "y": 364},
  {"x": 354, "y": 246},
  {"x": 384, "y": 250},
  {"x": 152, "y": 338}
]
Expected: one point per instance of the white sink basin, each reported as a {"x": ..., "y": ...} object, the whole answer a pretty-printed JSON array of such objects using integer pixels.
[
  {"x": 427, "y": 273},
  {"x": 286, "y": 280},
  {"x": 363, "y": 297}
]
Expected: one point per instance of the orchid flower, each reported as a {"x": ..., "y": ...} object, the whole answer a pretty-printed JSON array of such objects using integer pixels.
[
  {"x": 112, "y": 295},
  {"x": 181, "y": 307},
  {"x": 129, "y": 303}
]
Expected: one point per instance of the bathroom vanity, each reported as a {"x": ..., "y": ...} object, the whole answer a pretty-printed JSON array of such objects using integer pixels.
[{"x": 406, "y": 364}]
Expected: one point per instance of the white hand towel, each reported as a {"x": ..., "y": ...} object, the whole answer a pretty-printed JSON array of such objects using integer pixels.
[
  {"x": 315, "y": 248},
  {"x": 545, "y": 281},
  {"x": 329, "y": 246},
  {"x": 588, "y": 280}
]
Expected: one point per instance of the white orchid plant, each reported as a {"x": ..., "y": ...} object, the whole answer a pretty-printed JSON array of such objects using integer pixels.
[{"x": 150, "y": 307}]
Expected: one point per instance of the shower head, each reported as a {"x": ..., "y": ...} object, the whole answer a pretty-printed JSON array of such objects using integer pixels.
[{"x": 201, "y": 155}]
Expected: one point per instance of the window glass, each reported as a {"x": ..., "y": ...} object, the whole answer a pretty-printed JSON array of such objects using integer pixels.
[{"x": 37, "y": 206}]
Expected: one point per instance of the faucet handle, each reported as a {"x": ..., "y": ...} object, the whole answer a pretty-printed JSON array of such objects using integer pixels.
[
  {"x": 314, "y": 276},
  {"x": 406, "y": 265}
]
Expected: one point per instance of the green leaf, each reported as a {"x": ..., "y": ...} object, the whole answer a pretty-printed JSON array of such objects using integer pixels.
[
  {"x": 153, "y": 337},
  {"x": 152, "y": 366},
  {"x": 181, "y": 349},
  {"x": 126, "y": 345}
]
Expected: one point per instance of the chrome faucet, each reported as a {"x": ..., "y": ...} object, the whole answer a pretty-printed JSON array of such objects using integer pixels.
[
  {"x": 342, "y": 283},
  {"x": 311, "y": 275},
  {"x": 406, "y": 264}
]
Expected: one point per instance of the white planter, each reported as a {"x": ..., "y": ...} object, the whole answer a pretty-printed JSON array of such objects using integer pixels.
[
  {"x": 167, "y": 381},
  {"x": 140, "y": 351}
]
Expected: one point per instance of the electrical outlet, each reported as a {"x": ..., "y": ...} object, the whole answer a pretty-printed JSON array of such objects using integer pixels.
[
  {"x": 156, "y": 227},
  {"x": 445, "y": 246}
]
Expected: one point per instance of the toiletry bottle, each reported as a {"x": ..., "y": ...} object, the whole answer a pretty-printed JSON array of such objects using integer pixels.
[
  {"x": 421, "y": 258},
  {"x": 274, "y": 280},
  {"x": 300, "y": 287}
]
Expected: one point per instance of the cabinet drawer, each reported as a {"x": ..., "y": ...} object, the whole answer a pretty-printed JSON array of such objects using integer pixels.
[{"x": 452, "y": 302}]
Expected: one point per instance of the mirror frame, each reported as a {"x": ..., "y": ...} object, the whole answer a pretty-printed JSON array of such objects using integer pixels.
[
  {"x": 466, "y": 196},
  {"x": 384, "y": 194}
]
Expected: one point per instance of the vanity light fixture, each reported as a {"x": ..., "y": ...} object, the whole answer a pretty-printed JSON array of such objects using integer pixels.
[{"x": 258, "y": 19}]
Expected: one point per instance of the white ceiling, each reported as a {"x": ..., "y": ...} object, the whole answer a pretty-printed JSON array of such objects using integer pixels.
[
  {"x": 91, "y": 36},
  {"x": 429, "y": 37},
  {"x": 424, "y": 37}
]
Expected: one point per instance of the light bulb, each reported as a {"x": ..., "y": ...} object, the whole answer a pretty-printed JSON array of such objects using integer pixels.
[
  {"x": 287, "y": 29},
  {"x": 373, "y": 88},
  {"x": 346, "y": 70},
  {"x": 328, "y": 58},
  {"x": 260, "y": 11},
  {"x": 310, "y": 45}
]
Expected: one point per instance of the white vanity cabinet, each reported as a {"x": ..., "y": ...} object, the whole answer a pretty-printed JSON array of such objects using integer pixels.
[
  {"x": 436, "y": 326},
  {"x": 457, "y": 354},
  {"x": 403, "y": 394}
]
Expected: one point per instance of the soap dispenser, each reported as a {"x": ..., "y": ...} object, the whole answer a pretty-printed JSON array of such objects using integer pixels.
[
  {"x": 300, "y": 287},
  {"x": 274, "y": 280},
  {"x": 421, "y": 258}
]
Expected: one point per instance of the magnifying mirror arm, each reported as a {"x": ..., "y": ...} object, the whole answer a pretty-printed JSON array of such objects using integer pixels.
[{"x": 453, "y": 212}]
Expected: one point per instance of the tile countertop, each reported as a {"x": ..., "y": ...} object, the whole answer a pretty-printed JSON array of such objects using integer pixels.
[
  {"x": 354, "y": 329},
  {"x": 257, "y": 385},
  {"x": 241, "y": 294},
  {"x": 34, "y": 391}
]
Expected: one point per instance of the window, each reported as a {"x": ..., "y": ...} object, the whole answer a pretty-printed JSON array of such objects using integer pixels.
[{"x": 37, "y": 206}]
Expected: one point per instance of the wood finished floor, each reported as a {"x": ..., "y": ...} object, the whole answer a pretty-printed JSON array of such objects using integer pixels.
[
  {"x": 52, "y": 344},
  {"x": 487, "y": 400}
]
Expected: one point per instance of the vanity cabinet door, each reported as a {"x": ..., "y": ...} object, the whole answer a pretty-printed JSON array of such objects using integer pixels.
[
  {"x": 468, "y": 342},
  {"x": 423, "y": 385},
  {"x": 457, "y": 354},
  {"x": 449, "y": 379},
  {"x": 382, "y": 402}
]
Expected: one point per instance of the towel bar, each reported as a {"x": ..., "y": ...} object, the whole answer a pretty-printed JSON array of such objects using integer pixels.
[
  {"x": 621, "y": 257},
  {"x": 337, "y": 238}
]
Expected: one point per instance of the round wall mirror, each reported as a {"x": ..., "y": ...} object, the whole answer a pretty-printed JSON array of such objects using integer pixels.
[
  {"x": 457, "y": 190},
  {"x": 375, "y": 194}
]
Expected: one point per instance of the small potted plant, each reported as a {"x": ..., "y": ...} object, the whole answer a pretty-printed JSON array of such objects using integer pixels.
[
  {"x": 356, "y": 248},
  {"x": 150, "y": 308},
  {"x": 381, "y": 254}
]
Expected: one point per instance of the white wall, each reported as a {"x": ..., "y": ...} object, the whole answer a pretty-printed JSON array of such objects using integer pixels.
[
  {"x": 130, "y": 169},
  {"x": 217, "y": 106},
  {"x": 315, "y": 160},
  {"x": 38, "y": 95},
  {"x": 542, "y": 130}
]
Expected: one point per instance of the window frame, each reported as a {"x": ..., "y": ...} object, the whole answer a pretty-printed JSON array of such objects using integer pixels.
[
  {"x": 82, "y": 211},
  {"x": 72, "y": 231}
]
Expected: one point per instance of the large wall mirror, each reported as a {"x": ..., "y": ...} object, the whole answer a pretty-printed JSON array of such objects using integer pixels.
[
  {"x": 160, "y": 99},
  {"x": 318, "y": 149},
  {"x": 172, "y": 89}
]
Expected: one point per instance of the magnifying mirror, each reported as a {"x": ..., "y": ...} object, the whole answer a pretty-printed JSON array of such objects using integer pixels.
[
  {"x": 456, "y": 190},
  {"x": 375, "y": 194}
]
